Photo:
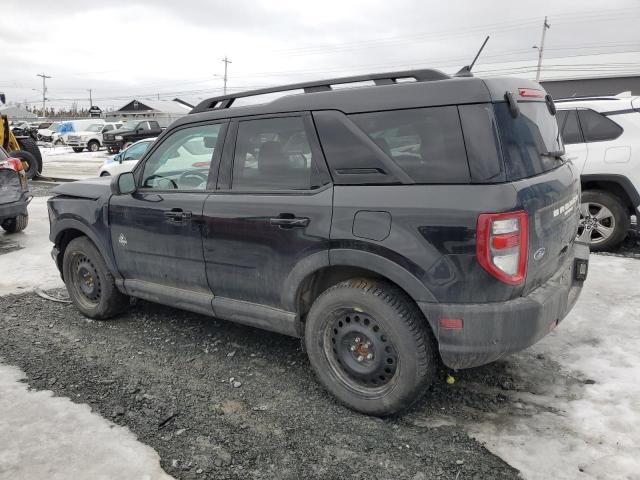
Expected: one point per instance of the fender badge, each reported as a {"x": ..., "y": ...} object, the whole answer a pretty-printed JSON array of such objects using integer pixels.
[
  {"x": 536, "y": 256},
  {"x": 122, "y": 240}
]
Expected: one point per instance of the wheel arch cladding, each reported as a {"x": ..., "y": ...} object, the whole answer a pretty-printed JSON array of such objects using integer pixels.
[{"x": 618, "y": 185}]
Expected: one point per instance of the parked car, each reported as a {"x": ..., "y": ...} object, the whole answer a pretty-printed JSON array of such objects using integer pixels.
[
  {"x": 130, "y": 133},
  {"x": 92, "y": 137},
  {"x": 602, "y": 138},
  {"x": 50, "y": 134},
  {"x": 386, "y": 225},
  {"x": 14, "y": 194},
  {"x": 127, "y": 159}
]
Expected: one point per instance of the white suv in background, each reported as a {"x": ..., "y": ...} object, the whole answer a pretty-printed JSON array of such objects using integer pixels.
[
  {"x": 91, "y": 137},
  {"x": 602, "y": 139}
]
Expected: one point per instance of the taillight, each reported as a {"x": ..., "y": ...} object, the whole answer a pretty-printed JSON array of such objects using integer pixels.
[
  {"x": 12, "y": 163},
  {"x": 501, "y": 245}
]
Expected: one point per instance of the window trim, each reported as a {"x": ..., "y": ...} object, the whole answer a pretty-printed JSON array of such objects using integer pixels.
[
  {"x": 578, "y": 110},
  {"x": 569, "y": 112},
  {"x": 138, "y": 170},
  {"x": 225, "y": 171}
]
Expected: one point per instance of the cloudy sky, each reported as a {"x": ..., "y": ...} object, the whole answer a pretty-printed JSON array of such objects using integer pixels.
[{"x": 166, "y": 48}]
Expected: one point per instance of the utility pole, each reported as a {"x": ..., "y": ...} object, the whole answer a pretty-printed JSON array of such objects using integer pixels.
[
  {"x": 226, "y": 63},
  {"x": 545, "y": 27},
  {"x": 90, "y": 98},
  {"x": 44, "y": 91}
]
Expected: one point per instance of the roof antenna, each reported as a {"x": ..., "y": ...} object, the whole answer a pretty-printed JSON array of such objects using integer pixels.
[{"x": 466, "y": 70}]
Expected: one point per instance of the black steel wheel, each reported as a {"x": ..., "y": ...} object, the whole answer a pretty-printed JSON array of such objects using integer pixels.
[
  {"x": 370, "y": 346},
  {"x": 90, "y": 284}
]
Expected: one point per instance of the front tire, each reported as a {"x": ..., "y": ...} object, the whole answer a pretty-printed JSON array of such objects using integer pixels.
[
  {"x": 30, "y": 145},
  {"x": 29, "y": 162},
  {"x": 604, "y": 221},
  {"x": 15, "y": 224},
  {"x": 93, "y": 146},
  {"x": 370, "y": 346},
  {"x": 90, "y": 285}
]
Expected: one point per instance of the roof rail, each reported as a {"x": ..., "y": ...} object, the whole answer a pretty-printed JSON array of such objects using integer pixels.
[
  {"x": 579, "y": 99},
  {"x": 225, "y": 101}
]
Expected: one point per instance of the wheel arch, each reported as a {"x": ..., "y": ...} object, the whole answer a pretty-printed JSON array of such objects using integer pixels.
[
  {"x": 618, "y": 185},
  {"x": 318, "y": 272}
]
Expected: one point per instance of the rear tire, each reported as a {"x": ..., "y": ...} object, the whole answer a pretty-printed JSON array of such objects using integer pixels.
[
  {"x": 370, "y": 346},
  {"x": 604, "y": 220},
  {"x": 89, "y": 282},
  {"x": 30, "y": 145},
  {"x": 15, "y": 224},
  {"x": 78, "y": 149}
]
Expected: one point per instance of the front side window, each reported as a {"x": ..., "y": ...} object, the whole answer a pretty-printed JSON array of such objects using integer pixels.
[
  {"x": 274, "y": 154},
  {"x": 426, "y": 143},
  {"x": 183, "y": 159},
  {"x": 597, "y": 127},
  {"x": 135, "y": 152}
]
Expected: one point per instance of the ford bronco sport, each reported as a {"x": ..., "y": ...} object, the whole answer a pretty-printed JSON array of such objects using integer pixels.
[{"x": 390, "y": 225}]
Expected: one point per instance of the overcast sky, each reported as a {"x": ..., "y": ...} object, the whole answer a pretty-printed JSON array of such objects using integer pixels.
[{"x": 145, "y": 48}]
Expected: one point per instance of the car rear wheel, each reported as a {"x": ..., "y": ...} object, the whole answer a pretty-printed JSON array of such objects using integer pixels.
[
  {"x": 15, "y": 224},
  {"x": 90, "y": 284},
  {"x": 604, "y": 221},
  {"x": 370, "y": 346},
  {"x": 93, "y": 146},
  {"x": 78, "y": 149}
]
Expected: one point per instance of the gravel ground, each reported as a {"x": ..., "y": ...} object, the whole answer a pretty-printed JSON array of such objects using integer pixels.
[{"x": 218, "y": 400}]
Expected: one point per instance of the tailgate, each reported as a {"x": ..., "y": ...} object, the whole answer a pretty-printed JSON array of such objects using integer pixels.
[
  {"x": 551, "y": 201},
  {"x": 10, "y": 187}
]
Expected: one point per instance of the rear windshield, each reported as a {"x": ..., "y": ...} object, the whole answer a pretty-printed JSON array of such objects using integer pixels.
[{"x": 531, "y": 142}]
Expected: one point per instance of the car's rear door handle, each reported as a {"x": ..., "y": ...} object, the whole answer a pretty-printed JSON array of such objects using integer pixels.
[
  {"x": 177, "y": 215},
  {"x": 289, "y": 221}
]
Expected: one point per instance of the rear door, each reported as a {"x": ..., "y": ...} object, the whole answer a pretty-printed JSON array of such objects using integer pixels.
[
  {"x": 272, "y": 209},
  {"x": 155, "y": 232}
]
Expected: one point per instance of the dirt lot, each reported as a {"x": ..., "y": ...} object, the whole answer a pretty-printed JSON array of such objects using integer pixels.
[{"x": 169, "y": 376}]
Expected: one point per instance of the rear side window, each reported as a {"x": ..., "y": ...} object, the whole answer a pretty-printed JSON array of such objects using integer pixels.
[
  {"x": 426, "y": 143},
  {"x": 571, "y": 132},
  {"x": 531, "y": 142},
  {"x": 597, "y": 127}
]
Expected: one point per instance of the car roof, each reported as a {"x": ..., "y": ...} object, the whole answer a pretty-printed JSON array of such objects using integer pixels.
[
  {"x": 604, "y": 103},
  {"x": 437, "y": 90}
]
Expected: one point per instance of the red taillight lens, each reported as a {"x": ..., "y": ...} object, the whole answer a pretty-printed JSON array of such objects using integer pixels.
[
  {"x": 502, "y": 246},
  {"x": 12, "y": 163},
  {"x": 530, "y": 93}
]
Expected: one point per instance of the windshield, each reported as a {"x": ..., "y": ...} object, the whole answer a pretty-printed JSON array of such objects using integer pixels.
[
  {"x": 531, "y": 142},
  {"x": 54, "y": 126},
  {"x": 96, "y": 127}
]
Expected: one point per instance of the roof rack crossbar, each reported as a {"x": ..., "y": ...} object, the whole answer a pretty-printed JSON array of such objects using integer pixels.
[{"x": 225, "y": 101}]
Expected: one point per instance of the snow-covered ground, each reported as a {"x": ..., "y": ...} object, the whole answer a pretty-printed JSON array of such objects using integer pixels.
[
  {"x": 31, "y": 266},
  {"x": 52, "y": 438},
  {"x": 63, "y": 162}
]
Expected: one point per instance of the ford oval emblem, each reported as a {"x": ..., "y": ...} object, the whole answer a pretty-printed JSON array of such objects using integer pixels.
[{"x": 539, "y": 253}]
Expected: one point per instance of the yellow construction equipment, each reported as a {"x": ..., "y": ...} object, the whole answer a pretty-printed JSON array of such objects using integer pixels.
[{"x": 20, "y": 146}]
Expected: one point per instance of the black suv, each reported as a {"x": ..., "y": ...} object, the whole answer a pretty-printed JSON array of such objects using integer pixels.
[
  {"x": 389, "y": 225},
  {"x": 124, "y": 136}
]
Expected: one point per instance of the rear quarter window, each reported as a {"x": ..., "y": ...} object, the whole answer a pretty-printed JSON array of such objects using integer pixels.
[
  {"x": 426, "y": 143},
  {"x": 598, "y": 128}
]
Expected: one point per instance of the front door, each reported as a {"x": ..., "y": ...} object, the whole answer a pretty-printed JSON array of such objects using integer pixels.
[
  {"x": 274, "y": 212},
  {"x": 156, "y": 231}
]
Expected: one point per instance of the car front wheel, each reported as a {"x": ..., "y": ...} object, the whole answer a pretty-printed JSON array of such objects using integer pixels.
[
  {"x": 90, "y": 284},
  {"x": 370, "y": 346}
]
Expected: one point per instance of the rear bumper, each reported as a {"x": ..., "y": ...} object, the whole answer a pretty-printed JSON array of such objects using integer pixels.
[
  {"x": 13, "y": 209},
  {"x": 492, "y": 330}
]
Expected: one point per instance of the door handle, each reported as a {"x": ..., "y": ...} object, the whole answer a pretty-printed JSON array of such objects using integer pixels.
[
  {"x": 285, "y": 220},
  {"x": 177, "y": 215}
]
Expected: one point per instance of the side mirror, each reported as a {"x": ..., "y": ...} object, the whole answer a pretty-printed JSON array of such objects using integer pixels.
[{"x": 123, "y": 184}]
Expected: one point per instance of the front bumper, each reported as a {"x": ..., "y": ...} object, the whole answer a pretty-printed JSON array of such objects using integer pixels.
[
  {"x": 113, "y": 143},
  {"x": 492, "y": 330},
  {"x": 76, "y": 143}
]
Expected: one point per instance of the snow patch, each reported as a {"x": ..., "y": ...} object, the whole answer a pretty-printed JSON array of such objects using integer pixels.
[
  {"x": 572, "y": 427},
  {"x": 52, "y": 438}
]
